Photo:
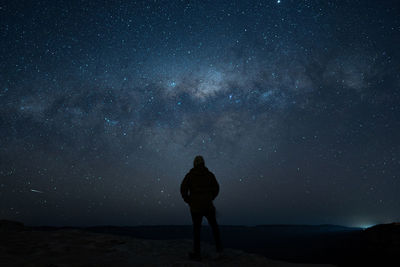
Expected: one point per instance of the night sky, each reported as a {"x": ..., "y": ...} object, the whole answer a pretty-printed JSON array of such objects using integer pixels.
[{"x": 294, "y": 105}]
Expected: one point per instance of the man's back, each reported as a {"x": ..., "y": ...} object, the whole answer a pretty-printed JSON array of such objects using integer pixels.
[{"x": 199, "y": 188}]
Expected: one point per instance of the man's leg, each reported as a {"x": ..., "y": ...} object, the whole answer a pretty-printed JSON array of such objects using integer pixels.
[
  {"x": 196, "y": 219},
  {"x": 212, "y": 221}
]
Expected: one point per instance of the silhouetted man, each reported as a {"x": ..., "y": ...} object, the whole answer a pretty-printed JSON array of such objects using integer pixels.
[{"x": 199, "y": 189}]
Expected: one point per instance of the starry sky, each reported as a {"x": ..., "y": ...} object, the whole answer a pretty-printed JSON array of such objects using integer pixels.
[{"x": 294, "y": 105}]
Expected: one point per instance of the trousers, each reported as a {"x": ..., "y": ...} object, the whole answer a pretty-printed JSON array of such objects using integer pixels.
[{"x": 197, "y": 218}]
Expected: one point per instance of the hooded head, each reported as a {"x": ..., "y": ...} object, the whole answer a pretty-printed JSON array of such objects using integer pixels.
[{"x": 198, "y": 162}]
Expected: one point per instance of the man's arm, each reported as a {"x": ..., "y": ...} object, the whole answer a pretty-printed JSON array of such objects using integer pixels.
[
  {"x": 214, "y": 186},
  {"x": 185, "y": 189}
]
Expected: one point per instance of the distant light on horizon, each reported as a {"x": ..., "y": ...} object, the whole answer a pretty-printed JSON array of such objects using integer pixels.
[{"x": 366, "y": 225}]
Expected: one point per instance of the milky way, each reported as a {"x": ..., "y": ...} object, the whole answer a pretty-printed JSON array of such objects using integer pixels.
[{"x": 293, "y": 104}]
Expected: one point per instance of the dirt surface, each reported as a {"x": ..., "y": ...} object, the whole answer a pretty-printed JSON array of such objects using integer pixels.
[{"x": 22, "y": 246}]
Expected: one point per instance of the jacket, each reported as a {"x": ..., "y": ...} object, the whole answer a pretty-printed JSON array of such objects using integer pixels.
[{"x": 199, "y": 188}]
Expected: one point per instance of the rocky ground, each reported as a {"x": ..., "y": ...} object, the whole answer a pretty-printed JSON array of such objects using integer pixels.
[{"x": 23, "y": 246}]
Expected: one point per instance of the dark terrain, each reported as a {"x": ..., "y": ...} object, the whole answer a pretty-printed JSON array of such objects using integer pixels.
[{"x": 322, "y": 244}]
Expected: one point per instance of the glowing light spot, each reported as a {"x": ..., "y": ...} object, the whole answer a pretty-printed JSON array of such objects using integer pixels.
[
  {"x": 172, "y": 84},
  {"x": 36, "y": 191},
  {"x": 111, "y": 122},
  {"x": 365, "y": 226}
]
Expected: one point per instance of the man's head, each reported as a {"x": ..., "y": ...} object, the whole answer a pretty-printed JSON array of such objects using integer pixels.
[{"x": 198, "y": 161}]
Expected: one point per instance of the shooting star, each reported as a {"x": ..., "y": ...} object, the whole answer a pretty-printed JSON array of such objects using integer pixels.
[{"x": 36, "y": 191}]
